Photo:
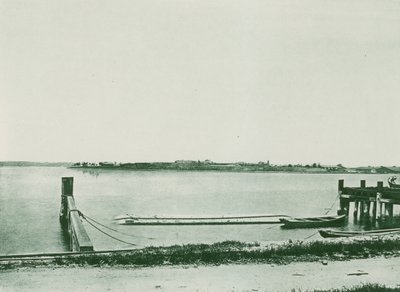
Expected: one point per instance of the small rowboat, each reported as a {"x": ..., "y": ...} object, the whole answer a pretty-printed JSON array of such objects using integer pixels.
[
  {"x": 377, "y": 232},
  {"x": 312, "y": 222}
]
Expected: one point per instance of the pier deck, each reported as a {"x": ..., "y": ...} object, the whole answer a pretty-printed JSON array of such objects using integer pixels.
[{"x": 379, "y": 200}]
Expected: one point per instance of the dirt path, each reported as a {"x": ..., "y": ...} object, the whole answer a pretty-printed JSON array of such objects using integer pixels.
[{"x": 246, "y": 277}]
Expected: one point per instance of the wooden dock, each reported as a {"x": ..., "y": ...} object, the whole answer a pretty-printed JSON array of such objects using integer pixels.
[
  {"x": 70, "y": 218},
  {"x": 378, "y": 202}
]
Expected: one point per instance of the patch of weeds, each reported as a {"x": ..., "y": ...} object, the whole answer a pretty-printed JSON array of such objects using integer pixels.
[{"x": 362, "y": 288}]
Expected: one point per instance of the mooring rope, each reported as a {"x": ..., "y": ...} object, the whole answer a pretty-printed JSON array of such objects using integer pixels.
[
  {"x": 201, "y": 218},
  {"x": 112, "y": 229},
  {"x": 315, "y": 233},
  {"x": 109, "y": 235},
  {"x": 273, "y": 226},
  {"x": 333, "y": 204}
]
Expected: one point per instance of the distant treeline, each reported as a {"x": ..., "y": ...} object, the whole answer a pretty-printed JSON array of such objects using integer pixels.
[{"x": 207, "y": 165}]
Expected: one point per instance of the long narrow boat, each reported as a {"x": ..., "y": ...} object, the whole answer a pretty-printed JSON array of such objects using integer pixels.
[
  {"x": 214, "y": 220},
  {"x": 312, "y": 222},
  {"x": 377, "y": 232}
]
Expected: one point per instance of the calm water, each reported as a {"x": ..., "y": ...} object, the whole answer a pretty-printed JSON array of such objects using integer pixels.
[{"x": 30, "y": 202}]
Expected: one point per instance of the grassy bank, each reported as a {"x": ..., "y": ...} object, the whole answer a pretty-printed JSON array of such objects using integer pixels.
[
  {"x": 229, "y": 252},
  {"x": 361, "y": 288}
]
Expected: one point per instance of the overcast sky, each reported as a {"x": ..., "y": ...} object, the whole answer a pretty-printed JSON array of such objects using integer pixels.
[{"x": 160, "y": 80}]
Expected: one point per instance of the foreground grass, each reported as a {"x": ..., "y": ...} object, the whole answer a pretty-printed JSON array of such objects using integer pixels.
[
  {"x": 362, "y": 288},
  {"x": 230, "y": 252}
]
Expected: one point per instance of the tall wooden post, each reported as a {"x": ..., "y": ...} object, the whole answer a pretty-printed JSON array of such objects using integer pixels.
[
  {"x": 340, "y": 185},
  {"x": 342, "y": 202},
  {"x": 374, "y": 203},
  {"x": 389, "y": 208},
  {"x": 378, "y": 197},
  {"x": 67, "y": 189},
  {"x": 362, "y": 209},
  {"x": 366, "y": 205},
  {"x": 369, "y": 208},
  {"x": 356, "y": 203}
]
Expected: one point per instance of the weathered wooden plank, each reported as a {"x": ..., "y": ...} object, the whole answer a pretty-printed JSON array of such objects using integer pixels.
[
  {"x": 80, "y": 238},
  {"x": 70, "y": 218},
  {"x": 370, "y": 199}
]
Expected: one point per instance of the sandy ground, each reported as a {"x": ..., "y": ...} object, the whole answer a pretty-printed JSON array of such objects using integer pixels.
[{"x": 245, "y": 277}]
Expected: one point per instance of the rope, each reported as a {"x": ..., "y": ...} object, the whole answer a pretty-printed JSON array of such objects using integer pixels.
[
  {"x": 311, "y": 235},
  {"x": 112, "y": 229},
  {"x": 201, "y": 218},
  {"x": 274, "y": 226},
  {"x": 333, "y": 204},
  {"x": 109, "y": 235}
]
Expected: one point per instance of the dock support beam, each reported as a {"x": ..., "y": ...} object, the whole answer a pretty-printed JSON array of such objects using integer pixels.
[
  {"x": 389, "y": 208},
  {"x": 344, "y": 203},
  {"x": 70, "y": 218},
  {"x": 379, "y": 196},
  {"x": 374, "y": 205},
  {"x": 355, "y": 214},
  {"x": 367, "y": 204}
]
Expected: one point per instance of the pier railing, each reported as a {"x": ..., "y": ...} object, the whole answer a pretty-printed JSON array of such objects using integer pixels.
[
  {"x": 70, "y": 218},
  {"x": 380, "y": 200}
]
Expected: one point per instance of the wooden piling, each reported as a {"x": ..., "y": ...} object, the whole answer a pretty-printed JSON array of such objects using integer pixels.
[
  {"x": 340, "y": 185},
  {"x": 362, "y": 209},
  {"x": 374, "y": 203},
  {"x": 378, "y": 197},
  {"x": 355, "y": 213},
  {"x": 368, "y": 211},
  {"x": 389, "y": 208},
  {"x": 366, "y": 205},
  {"x": 374, "y": 211},
  {"x": 342, "y": 202},
  {"x": 67, "y": 189}
]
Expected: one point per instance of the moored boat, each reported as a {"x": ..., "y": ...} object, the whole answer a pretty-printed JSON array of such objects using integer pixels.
[
  {"x": 312, "y": 222},
  {"x": 377, "y": 232}
]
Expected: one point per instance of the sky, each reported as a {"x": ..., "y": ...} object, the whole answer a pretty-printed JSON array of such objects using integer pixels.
[{"x": 289, "y": 81}]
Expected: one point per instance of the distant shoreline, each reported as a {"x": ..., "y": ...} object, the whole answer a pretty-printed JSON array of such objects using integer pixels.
[
  {"x": 207, "y": 165},
  {"x": 189, "y": 165},
  {"x": 94, "y": 168}
]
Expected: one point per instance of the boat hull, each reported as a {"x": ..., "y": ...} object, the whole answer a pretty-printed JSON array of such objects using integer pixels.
[
  {"x": 378, "y": 232},
  {"x": 313, "y": 222},
  {"x": 393, "y": 185}
]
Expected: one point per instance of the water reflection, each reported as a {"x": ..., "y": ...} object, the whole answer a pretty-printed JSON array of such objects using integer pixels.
[
  {"x": 368, "y": 223},
  {"x": 92, "y": 172}
]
